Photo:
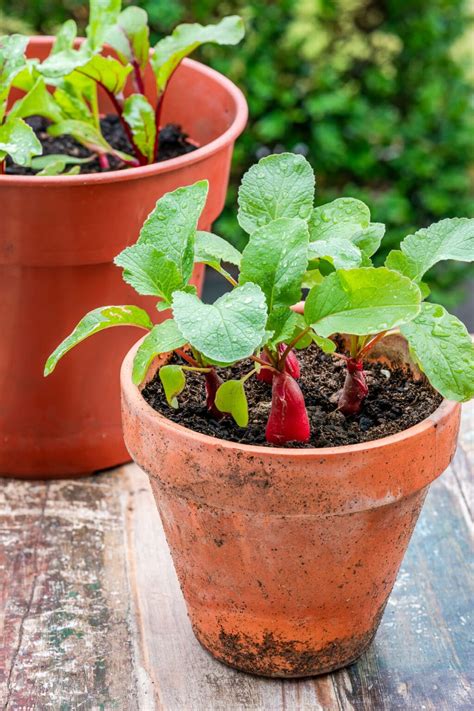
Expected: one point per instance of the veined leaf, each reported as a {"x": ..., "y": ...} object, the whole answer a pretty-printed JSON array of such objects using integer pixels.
[
  {"x": 212, "y": 249},
  {"x": 95, "y": 321},
  {"x": 88, "y": 135},
  {"x": 312, "y": 277},
  {"x": 448, "y": 239},
  {"x": 106, "y": 71},
  {"x": 140, "y": 116},
  {"x": 231, "y": 398},
  {"x": 18, "y": 140},
  {"x": 185, "y": 39},
  {"x": 338, "y": 214},
  {"x": 277, "y": 186},
  {"x": 228, "y": 330},
  {"x": 150, "y": 272},
  {"x": 102, "y": 15},
  {"x": 65, "y": 37},
  {"x": 369, "y": 238},
  {"x": 130, "y": 36},
  {"x": 163, "y": 338},
  {"x": 341, "y": 252},
  {"x": 77, "y": 98},
  {"x": 38, "y": 102},
  {"x": 276, "y": 258},
  {"x": 174, "y": 381},
  {"x": 282, "y": 323},
  {"x": 361, "y": 302},
  {"x": 443, "y": 348},
  {"x": 326, "y": 345},
  {"x": 64, "y": 62},
  {"x": 41, "y": 162},
  {"x": 171, "y": 226},
  {"x": 12, "y": 61}
]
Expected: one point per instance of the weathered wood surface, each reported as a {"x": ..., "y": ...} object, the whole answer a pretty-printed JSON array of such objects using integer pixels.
[{"x": 91, "y": 615}]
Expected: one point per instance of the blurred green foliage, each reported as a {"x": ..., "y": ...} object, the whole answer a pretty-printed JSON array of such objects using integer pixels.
[{"x": 374, "y": 92}]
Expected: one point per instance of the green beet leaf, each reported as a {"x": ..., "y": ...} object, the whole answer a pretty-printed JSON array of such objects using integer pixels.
[
  {"x": 18, "y": 140},
  {"x": 88, "y": 135},
  {"x": 61, "y": 64},
  {"x": 65, "y": 37},
  {"x": 76, "y": 96},
  {"x": 42, "y": 162},
  {"x": 277, "y": 186},
  {"x": 276, "y": 258},
  {"x": 140, "y": 116},
  {"x": 37, "y": 102},
  {"x": 130, "y": 36},
  {"x": 106, "y": 71},
  {"x": 163, "y": 338},
  {"x": 171, "y": 226},
  {"x": 361, "y": 301},
  {"x": 230, "y": 329},
  {"x": 231, "y": 399},
  {"x": 443, "y": 348},
  {"x": 174, "y": 381},
  {"x": 12, "y": 62},
  {"x": 448, "y": 239},
  {"x": 185, "y": 39},
  {"x": 95, "y": 321},
  {"x": 103, "y": 14},
  {"x": 150, "y": 272}
]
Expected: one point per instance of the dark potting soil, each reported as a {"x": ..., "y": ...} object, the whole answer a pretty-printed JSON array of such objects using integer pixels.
[
  {"x": 395, "y": 402},
  {"x": 173, "y": 143}
]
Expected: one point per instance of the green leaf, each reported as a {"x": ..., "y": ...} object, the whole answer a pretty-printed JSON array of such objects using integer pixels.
[
  {"x": 276, "y": 258},
  {"x": 443, "y": 348},
  {"x": 102, "y": 15},
  {"x": 88, "y": 135},
  {"x": 277, "y": 186},
  {"x": 18, "y": 140},
  {"x": 37, "y": 102},
  {"x": 150, "y": 272},
  {"x": 64, "y": 62},
  {"x": 282, "y": 323},
  {"x": 311, "y": 278},
  {"x": 212, "y": 249},
  {"x": 140, "y": 116},
  {"x": 338, "y": 217},
  {"x": 325, "y": 344},
  {"x": 186, "y": 38},
  {"x": 231, "y": 398},
  {"x": 171, "y": 226},
  {"x": 369, "y": 238},
  {"x": 54, "y": 168},
  {"x": 12, "y": 62},
  {"x": 41, "y": 162},
  {"x": 226, "y": 331},
  {"x": 76, "y": 96},
  {"x": 130, "y": 36},
  {"x": 106, "y": 71},
  {"x": 65, "y": 37},
  {"x": 448, "y": 239},
  {"x": 174, "y": 381},
  {"x": 361, "y": 302},
  {"x": 163, "y": 338},
  {"x": 341, "y": 252},
  {"x": 95, "y": 321}
]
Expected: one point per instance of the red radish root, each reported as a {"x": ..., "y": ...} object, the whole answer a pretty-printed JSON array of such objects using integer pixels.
[
  {"x": 355, "y": 388},
  {"x": 288, "y": 419},
  {"x": 213, "y": 381},
  {"x": 292, "y": 367}
]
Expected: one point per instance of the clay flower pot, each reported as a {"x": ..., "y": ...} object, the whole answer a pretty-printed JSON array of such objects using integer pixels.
[
  {"x": 286, "y": 557},
  {"x": 58, "y": 238}
]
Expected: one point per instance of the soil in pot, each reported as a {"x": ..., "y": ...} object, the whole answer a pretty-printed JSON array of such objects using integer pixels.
[
  {"x": 173, "y": 143},
  {"x": 395, "y": 402}
]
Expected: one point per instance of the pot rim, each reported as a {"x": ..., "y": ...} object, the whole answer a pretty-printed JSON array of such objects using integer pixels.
[
  {"x": 146, "y": 171},
  {"x": 135, "y": 398}
]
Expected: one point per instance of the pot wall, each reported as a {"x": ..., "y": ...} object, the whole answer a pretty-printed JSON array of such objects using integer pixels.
[
  {"x": 58, "y": 237},
  {"x": 286, "y": 557}
]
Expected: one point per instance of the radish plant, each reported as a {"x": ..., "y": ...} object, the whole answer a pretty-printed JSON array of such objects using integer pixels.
[
  {"x": 290, "y": 244},
  {"x": 75, "y": 72}
]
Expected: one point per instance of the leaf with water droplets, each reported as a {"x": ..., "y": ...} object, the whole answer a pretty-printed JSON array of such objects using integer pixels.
[
  {"x": 19, "y": 141},
  {"x": 212, "y": 249},
  {"x": 163, "y": 338},
  {"x": 228, "y": 330},
  {"x": 448, "y": 239},
  {"x": 276, "y": 258},
  {"x": 277, "y": 186},
  {"x": 441, "y": 345},
  {"x": 361, "y": 301}
]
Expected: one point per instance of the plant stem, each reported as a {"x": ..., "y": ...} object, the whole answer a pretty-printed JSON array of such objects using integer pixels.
[
  {"x": 104, "y": 161},
  {"x": 353, "y": 348},
  {"x": 291, "y": 345},
  {"x": 195, "y": 369},
  {"x": 185, "y": 356},
  {"x": 138, "y": 79},
  {"x": 263, "y": 363},
  {"x": 159, "y": 105},
  {"x": 248, "y": 375},
  {"x": 118, "y": 106},
  {"x": 372, "y": 343}
]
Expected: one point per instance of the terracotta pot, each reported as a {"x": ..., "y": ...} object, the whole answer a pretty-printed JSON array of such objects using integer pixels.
[
  {"x": 286, "y": 557},
  {"x": 57, "y": 240}
]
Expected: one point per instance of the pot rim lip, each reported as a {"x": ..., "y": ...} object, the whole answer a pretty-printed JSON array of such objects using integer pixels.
[
  {"x": 146, "y": 171},
  {"x": 445, "y": 410}
]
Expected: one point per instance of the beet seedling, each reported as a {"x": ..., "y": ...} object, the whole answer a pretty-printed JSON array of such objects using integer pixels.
[{"x": 290, "y": 244}]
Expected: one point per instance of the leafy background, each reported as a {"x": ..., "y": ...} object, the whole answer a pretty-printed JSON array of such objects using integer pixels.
[{"x": 376, "y": 93}]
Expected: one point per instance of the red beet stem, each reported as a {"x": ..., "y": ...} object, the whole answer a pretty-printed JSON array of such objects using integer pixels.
[
  {"x": 288, "y": 419},
  {"x": 213, "y": 381},
  {"x": 292, "y": 367},
  {"x": 355, "y": 388}
]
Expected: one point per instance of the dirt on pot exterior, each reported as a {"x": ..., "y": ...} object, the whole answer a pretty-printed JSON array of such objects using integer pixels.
[
  {"x": 173, "y": 143},
  {"x": 395, "y": 402}
]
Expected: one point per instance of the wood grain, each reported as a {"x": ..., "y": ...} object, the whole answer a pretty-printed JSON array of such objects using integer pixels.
[{"x": 91, "y": 615}]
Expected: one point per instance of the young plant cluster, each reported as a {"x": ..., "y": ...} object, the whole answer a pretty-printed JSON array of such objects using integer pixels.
[
  {"x": 64, "y": 87},
  {"x": 292, "y": 245}
]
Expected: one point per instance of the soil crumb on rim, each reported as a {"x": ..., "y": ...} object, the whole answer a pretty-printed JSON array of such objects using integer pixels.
[
  {"x": 173, "y": 143},
  {"x": 395, "y": 403}
]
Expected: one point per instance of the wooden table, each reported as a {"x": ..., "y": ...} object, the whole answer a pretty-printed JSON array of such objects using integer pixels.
[{"x": 92, "y": 616}]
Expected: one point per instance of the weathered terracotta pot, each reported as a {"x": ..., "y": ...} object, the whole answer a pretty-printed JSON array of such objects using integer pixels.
[
  {"x": 286, "y": 557},
  {"x": 58, "y": 236}
]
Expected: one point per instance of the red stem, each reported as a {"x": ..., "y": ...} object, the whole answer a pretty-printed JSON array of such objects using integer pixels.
[
  {"x": 213, "y": 382},
  {"x": 189, "y": 359},
  {"x": 104, "y": 161},
  {"x": 372, "y": 343},
  {"x": 119, "y": 109},
  {"x": 159, "y": 104},
  {"x": 137, "y": 75}
]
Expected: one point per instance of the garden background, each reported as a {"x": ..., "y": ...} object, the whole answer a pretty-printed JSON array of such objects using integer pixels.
[{"x": 377, "y": 94}]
